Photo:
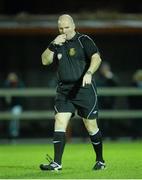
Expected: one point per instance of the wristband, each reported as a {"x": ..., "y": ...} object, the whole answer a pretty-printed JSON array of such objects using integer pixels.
[{"x": 51, "y": 46}]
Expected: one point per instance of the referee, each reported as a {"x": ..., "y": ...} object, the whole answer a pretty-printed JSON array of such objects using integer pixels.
[{"x": 77, "y": 58}]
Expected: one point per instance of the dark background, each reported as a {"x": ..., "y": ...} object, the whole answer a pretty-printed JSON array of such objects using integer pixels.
[
  {"x": 74, "y": 6},
  {"x": 21, "y": 52}
]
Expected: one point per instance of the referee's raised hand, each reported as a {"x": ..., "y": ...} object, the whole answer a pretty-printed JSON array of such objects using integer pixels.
[{"x": 60, "y": 39}]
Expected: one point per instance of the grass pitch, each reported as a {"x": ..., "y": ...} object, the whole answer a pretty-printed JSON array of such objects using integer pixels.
[{"x": 123, "y": 160}]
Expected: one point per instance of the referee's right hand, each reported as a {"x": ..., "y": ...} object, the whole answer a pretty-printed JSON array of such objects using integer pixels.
[{"x": 60, "y": 39}]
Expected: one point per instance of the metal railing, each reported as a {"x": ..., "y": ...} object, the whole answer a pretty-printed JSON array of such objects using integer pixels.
[
  {"x": 117, "y": 91},
  {"x": 46, "y": 92}
]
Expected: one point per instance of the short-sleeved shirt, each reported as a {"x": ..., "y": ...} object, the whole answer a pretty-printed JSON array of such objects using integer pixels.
[{"x": 73, "y": 58}]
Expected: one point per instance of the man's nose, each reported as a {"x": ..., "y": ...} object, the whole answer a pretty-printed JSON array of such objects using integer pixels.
[{"x": 64, "y": 31}]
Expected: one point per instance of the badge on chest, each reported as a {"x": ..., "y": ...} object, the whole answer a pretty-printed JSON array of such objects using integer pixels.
[
  {"x": 59, "y": 56},
  {"x": 72, "y": 51}
]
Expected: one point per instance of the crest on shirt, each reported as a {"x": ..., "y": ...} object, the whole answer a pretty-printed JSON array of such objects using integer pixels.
[
  {"x": 59, "y": 56},
  {"x": 72, "y": 51}
]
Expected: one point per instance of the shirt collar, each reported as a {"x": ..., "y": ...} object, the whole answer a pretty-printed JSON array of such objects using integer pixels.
[{"x": 75, "y": 37}]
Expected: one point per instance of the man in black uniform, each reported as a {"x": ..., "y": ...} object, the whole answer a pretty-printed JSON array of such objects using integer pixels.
[{"x": 77, "y": 59}]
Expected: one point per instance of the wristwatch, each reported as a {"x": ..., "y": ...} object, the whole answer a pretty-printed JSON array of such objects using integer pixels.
[{"x": 89, "y": 72}]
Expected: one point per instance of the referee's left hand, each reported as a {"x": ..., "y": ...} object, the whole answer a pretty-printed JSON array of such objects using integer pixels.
[{"x": 87, "y": 79}]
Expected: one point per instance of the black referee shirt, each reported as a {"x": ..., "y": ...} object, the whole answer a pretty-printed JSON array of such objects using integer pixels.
[{"x": 73, "y": 58}]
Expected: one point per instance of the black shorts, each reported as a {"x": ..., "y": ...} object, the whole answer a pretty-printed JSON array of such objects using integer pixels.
[{"x": 77, "y": 98}]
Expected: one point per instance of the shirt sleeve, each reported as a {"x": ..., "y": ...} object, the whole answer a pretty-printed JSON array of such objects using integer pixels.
[{"x": 89, "y": 46}]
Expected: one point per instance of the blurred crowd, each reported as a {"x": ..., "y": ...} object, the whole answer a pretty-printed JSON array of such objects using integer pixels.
[
  {"x": 107, "y": 78},
  {"x": 13, "y": 104}
]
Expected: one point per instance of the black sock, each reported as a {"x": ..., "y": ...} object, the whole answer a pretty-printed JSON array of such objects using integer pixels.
[
  {"x": 59, "y": 144},
  {"x": 97, "y": 145}
]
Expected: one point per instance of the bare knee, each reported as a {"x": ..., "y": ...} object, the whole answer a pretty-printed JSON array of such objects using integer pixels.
[
  {"x": 91, "y": 126},
  {"x": 59, "y": 124},
  {"x": 61, "y": 121}
]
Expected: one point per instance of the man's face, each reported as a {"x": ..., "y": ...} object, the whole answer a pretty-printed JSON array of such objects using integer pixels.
[{"x": 66, "y": 27}]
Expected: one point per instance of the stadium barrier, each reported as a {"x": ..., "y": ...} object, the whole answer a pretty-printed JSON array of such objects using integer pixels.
[{"x": 46, "y": 92}]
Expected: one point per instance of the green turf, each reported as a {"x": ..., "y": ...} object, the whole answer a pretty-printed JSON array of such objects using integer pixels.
[{"x": 123, "y": 159}]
